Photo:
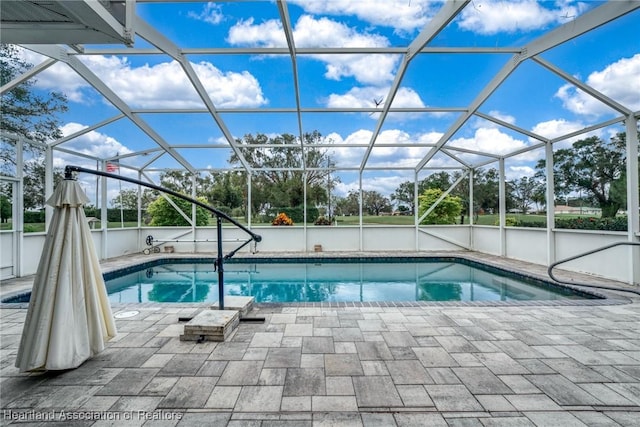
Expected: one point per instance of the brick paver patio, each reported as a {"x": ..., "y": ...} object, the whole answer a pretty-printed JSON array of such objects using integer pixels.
[{"x": 346, "y": 366}]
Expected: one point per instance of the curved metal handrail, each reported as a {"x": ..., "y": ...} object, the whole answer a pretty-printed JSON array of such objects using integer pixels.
[
  {"x": 593, "y": 251},
  {"x": 68, "y": 174}
]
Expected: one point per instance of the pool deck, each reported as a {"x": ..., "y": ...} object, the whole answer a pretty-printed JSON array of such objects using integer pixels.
[{"x": 539, "y": 364}]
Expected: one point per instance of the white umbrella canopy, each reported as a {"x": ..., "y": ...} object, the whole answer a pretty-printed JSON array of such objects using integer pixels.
[{"x": 69, "y": 318}]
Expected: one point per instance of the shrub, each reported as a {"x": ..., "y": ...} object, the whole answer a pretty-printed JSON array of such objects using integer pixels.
[
  {"x": 282, "y": 219},
  {"x": 164, "y": 214},
  {"x": 618, "y": 223},
  {"x": 296, "y": 213},
  {"x": 510, "y": 221},
  {"x": 446, "y": 212},
  {"x": 322, "y": 220},
  {"x": 33, "y": 217},
  {"x": 532, "y": 224}
]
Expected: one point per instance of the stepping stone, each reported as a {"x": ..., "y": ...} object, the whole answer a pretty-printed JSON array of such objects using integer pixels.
[
  {"x": 211, "y": 325},
  {"x": 242, "y": 304}
]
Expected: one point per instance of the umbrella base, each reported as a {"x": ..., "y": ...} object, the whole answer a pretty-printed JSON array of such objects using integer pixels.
[
  {"x": 243, "y": 304},
  {"x": 211, "y": 325}
]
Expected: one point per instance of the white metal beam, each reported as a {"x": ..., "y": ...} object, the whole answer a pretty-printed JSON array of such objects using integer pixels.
[
  {"x": 551, "y": 205},
  {"x": 584, "y": 87},
  {"x": 27, "y": 75},
  {"x": 502, "y": 194},
  {"x": 447, "y": 12},
  {"x": 86, "y": 130},
  {"x": 510, "y": 126},
  {"x": 633, "y": 199},
  {"x": 288, "y": 32},
  {"x": 259, "y": 50},
  {"x": 442, "y": 196},
  {"x": 84, "y": 72},
  {"x": 590, "y": 20},
  {"x": 154, "y": 37}
]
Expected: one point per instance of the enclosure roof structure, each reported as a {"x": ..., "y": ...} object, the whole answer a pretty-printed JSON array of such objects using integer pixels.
[{"x": 403, "y": 85}]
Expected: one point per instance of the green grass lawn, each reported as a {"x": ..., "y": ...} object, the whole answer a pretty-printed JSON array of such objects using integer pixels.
[{"x": 341, "y": 221}]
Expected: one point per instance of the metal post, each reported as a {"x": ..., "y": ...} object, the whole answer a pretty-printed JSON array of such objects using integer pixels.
[
  {"x": 551, "y": 204},
  {"x": 471, "y": 210},
  {"x": 48, "y": 185},
  {"x": 220, "y": 265},
  {"x": 503, "y": 209},
  {"x": 633, "y": 204}
]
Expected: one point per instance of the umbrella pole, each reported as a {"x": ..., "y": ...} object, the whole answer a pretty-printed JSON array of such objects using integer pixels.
[
  {"x": 68, "y": 174},
  {"x": 220, "y": 265}
]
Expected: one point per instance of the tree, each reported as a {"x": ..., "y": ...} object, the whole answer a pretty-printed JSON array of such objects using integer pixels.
[
  {"x": 128, "y": 199},
  {"x": 33, "y": 183},
  {"x": 539, "y": 196},
  {"x": 595, "y": 166},
  {"x": 163, "y": 214},
  {"x": 375, "y": 203},
  {"x": 282, "y": 183},
  {"x": 24, "y": 112},
  {"x": 486, "y": 190},
  {"x": 403, "y": 196},
  {"x": 440, "y": 180},
  {"x": 182, "y": 182},
  {"x": 227, "y": 190},
  {"x": 6, "y": 208},
  {"x": 524, "y": 191},
  {"x": 349, "y": 205},
  {"x": 446, "y": 212}
]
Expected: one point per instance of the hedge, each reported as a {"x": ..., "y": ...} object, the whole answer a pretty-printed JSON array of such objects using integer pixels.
[
  {"x": 618, "y": 223},
  {"x": 113, "y": 215}
]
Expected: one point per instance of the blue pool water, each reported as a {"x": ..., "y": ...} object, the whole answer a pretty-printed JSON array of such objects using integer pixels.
[{"x": 338, "y": 280}]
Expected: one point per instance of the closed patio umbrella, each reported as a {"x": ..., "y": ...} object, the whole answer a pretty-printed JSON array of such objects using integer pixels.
[{"x": 69, "y": 318}]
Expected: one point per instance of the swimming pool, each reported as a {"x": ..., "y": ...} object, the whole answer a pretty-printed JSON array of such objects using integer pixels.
[{"x": 329, "y": 280}]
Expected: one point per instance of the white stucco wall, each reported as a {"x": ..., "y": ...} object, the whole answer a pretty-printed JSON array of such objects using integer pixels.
[
  {"x": 527, "y": 244},
  {"x": 612, "y": 263},
  {"x": 7, "y": 269},
  {"x": 486, "y": 239},
  {"x": 521, "y": 243}
]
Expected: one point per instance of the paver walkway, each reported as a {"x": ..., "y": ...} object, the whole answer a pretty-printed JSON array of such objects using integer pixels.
[
  {"x": 484, "y": 366},
  {"x": 348, "y": 366}
]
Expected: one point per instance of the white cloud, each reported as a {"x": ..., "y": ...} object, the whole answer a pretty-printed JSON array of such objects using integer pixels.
[
  {"x": 556, "y": 128},
  {"x": 489, "y": 140},
  {"x": 503, "y": 116},
  {"x": 618, "y": 81},
  {"x": 495, "y": 16},
  {"x": 479, "y": 122},
  {"x": 60, "y": 77},
  {"x": 323, "y": 32},
  {"x": 92, "y": 143},
  {"x": 402, "y": 15},
  {"x": 367, "y": 97},
  {"x": 517, "y": 172},
  {"x": 162, "y": 85},
  {"x": 402, "y": 156},
  {"x": 211, "y": 13},
  {"x": 266, "y": 34},
  {"x": 383, "y": 184}
]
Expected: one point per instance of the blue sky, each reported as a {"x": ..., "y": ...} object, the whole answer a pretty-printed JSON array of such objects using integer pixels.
[{"x": 532, "y": 98}]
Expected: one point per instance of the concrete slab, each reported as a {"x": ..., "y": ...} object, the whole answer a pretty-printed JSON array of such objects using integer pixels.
[
  {"x": 241, "y": 304},
  {"x": 211, "y": 325}
]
